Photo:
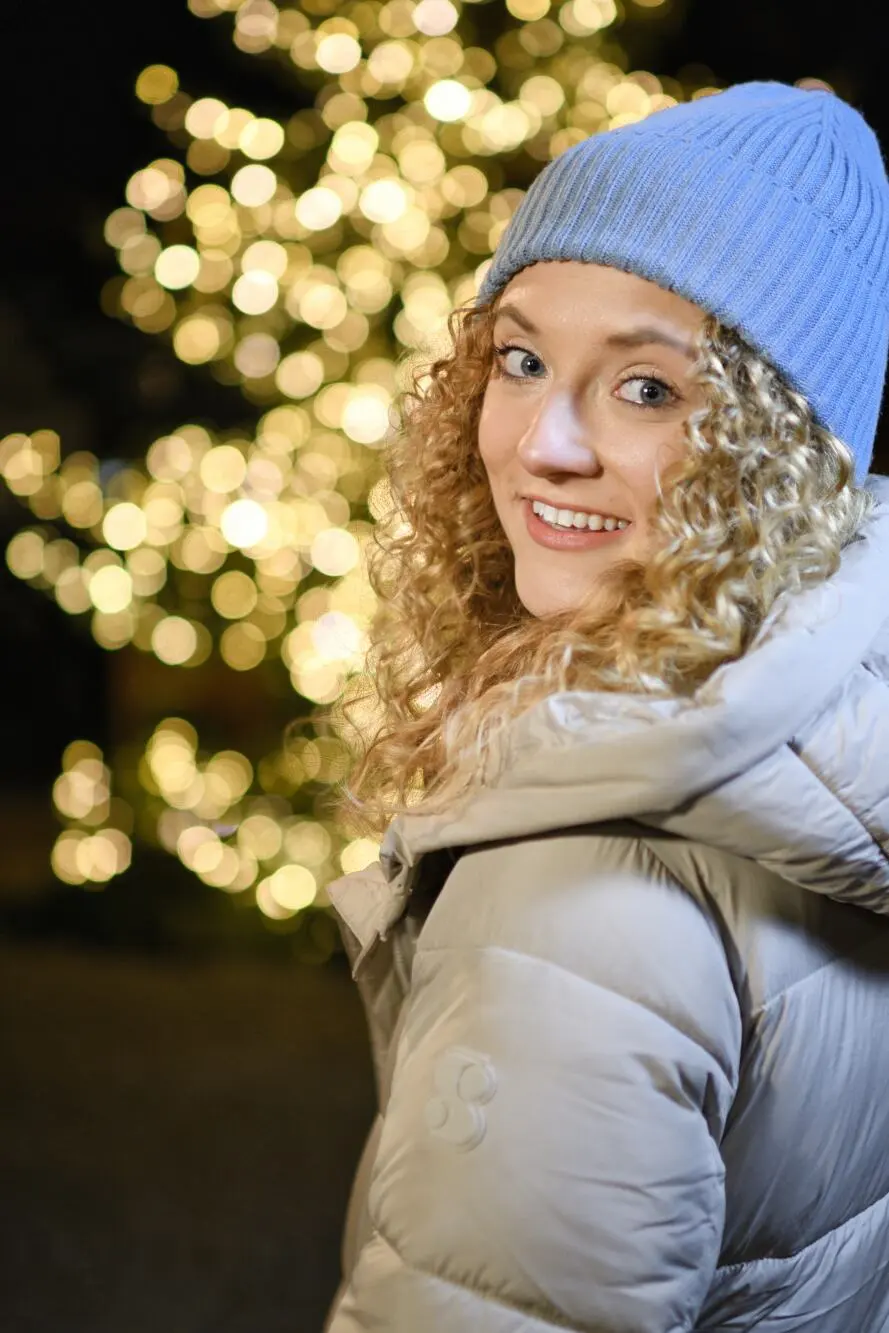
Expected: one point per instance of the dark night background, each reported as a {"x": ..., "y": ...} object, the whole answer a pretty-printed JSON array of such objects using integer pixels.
[{"x": 178, "y": 1128}]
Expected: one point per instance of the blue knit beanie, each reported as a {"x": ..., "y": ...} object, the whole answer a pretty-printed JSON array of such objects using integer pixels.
[{"x": 765, "y": 205}]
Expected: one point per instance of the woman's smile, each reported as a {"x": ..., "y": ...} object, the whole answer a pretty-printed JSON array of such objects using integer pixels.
[{"x": 568, "y": 538}]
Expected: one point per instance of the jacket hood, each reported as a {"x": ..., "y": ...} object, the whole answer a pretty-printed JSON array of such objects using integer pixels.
[{"x": 781, "y": 756}]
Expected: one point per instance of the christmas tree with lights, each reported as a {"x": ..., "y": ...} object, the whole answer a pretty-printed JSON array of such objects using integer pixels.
[{"x": 307, "y": 261}]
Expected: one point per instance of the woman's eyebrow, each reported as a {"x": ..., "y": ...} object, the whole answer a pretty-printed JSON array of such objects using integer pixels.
[
  {"x": 638, "y": 337},
  {"x": 514, "y": 313}
]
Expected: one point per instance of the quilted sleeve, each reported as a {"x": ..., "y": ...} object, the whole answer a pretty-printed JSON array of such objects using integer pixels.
[{"x": 550, "y": 1151}]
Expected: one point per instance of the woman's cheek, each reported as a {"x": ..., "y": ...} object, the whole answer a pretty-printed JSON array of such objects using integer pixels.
[
  {"x": 488, "y": 436},
  {"x": 497, "y": 432}
]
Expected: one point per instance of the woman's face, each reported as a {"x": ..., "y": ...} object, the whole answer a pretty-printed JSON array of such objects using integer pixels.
[{"x": 587, "y": 401}]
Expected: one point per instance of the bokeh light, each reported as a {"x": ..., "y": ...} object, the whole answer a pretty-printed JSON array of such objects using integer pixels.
[
  {"x": 301, "y": 259},
  {"x": 447, "y": 100},
  {"x": 177, "y": 266}
]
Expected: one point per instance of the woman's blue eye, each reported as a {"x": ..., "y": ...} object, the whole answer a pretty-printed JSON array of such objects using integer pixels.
[
  {"x": 645, "y": 398},
  {"x": 505, "y": 352},
  {"x": 662, "y": 396}
]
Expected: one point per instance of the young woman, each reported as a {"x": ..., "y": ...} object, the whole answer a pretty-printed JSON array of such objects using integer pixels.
[{"x": 626, "y": 952}]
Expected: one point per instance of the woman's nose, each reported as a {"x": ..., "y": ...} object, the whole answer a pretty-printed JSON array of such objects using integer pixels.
[{"x": 558, "y": 440}]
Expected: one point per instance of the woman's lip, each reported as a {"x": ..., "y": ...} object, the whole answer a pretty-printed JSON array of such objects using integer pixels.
[{"x": 567, "y": 539}]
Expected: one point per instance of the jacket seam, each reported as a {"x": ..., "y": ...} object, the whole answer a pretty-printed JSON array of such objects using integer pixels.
[
  {"x": 756, "y": 1013},
  {"x": 872, "y": 671},
  {"x": 768, "y": 1005},
  {"x": 498, "y": 1301},
  {"x": 747, "y": 1016},
  {"x": 775, "y": 1259},
  {"x": 802, "y": 757}
]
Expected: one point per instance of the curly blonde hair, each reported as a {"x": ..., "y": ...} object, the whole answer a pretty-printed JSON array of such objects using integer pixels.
[{"x": 761, "y": 504}]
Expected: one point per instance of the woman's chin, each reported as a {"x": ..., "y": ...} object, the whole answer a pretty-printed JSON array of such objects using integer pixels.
[
  {"x": 546, "y": 593},
  {"x": 541, "y": 600}
]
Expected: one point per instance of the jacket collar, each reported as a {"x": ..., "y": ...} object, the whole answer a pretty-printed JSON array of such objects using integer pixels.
[{"x": 369, "y": 904}]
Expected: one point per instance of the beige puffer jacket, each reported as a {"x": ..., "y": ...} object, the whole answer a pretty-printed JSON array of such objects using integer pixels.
[{"x": 630, "y": 1011}]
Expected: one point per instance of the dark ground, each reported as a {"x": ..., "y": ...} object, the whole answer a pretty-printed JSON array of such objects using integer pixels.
[{"x": 177, "y": 1140}]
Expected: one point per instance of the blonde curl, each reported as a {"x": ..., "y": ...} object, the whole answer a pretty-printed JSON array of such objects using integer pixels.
[{"x": 760, "y": 505}]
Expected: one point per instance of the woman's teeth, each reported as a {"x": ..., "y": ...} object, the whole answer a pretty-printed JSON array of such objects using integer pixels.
[{"x": 576, "y": 518}]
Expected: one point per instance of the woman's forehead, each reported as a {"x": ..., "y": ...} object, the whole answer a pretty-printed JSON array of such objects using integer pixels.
[
  {"x": 590, "y": 290},
  {"x": 597, "y": 303}
]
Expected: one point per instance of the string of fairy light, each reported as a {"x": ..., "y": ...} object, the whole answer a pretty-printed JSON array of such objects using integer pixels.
[{"x": 307, "y": 261}]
